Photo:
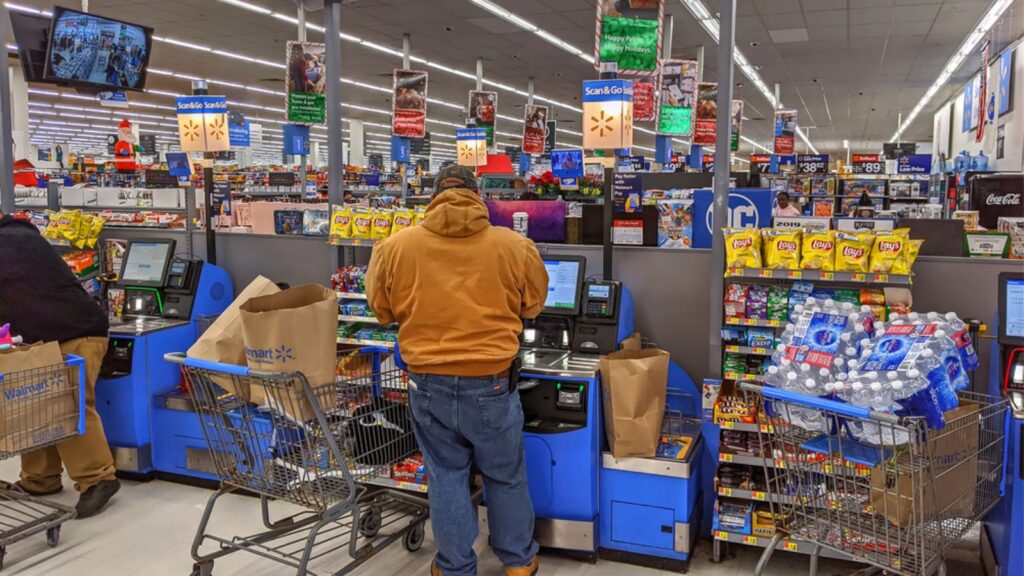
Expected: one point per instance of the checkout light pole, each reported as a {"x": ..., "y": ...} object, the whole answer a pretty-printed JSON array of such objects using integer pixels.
[
  {"x": 199, "y": 88},
  {"x": 726, "y": 44}
]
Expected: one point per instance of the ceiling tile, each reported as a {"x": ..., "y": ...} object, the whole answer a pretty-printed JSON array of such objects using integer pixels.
[
  {"x": 870, "y": 16},
  {"x": 916, "y": 13},
  {"x": 775, "y": 6},
  {"x": 812, "y": 5},
  {"x": 825, "y": 18}
]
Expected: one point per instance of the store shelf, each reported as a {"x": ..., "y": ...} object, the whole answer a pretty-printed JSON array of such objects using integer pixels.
[
  {"x": 364, "y": 319},
  {"x": 740, "y": 376},
  {"x": 788, "y": 544},
  {"x": 389, "y": 483},
  {"x": 754, "y": 495},
  {"x": 749, "y": 460},
  {"x": 353, "y": 242},
  {"x": 132, "y": 209},
  {"x": 358, "y": 342},
  {"x": 753, "y": 322},
  {"x": 819, "y": 276},
  {"x": 351, "y": 296},
  {"x": 744, "y": 427},
  {"x": 749, "y": 351}
]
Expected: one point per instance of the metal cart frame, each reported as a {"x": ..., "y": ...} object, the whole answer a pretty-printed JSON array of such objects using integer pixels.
[
  {"x": 42, "y": 407},
  {"x": 884, "y": 490},
  {"x": 324, "y": 451}
]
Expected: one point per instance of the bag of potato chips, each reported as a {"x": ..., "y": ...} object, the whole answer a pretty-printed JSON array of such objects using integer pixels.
[
  {"x": 781, "y": 249},
  {"x": 403, "y": 219},
  {"x": 905, "y": 263},
  {"x": 421, "y": 215},
  {"x": 382, "y": 221},
  {"x": 887, "y": 250},
  {"x": 742, "y": 247},
  {"x": 853, "y": 251},
  {"x": 341, "y": 223},
  {"x": 362, "y": 222},
  {"x": 818, "y": 250}
]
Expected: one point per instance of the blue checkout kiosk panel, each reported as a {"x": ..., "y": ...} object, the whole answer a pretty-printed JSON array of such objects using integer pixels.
[
  {"x": 146, "y": 416},
  {"x": 585, "y": 499},
  {"x": 1002, "y": 549}
]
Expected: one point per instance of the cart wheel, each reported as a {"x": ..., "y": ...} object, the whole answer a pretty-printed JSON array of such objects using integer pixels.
[
  {"x": 204, "y": 569},
  {"x": 369, "y": 524},
  {"x": 53, "y": 536},
  {"x": 413, "y": 539}
]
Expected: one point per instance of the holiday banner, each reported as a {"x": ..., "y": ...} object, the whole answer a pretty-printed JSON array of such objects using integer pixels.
[
  {"x": 643, "y": 101},
  {"x": 305, "y": 83},
  {"x": 535, "y": 129},
  {"x": 735, "y": 125},
  {"x": 409, "y": 104},
  {"x": 707, "y": 114},
  {"x": 628, "y": 34},
  {"x": 483, "y": 109},
  {"x": 785, "y": 131},
  {"x": 983, "y": 92},
  {"x": 678, "y": 82}
]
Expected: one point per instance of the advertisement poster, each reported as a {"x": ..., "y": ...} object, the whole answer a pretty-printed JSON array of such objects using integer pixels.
[
  {"x": 707, "y": 113},
  {"x": 678, "y": 96},
  {"x": 535, "y": 127},
  {"x": 147, "y": 144},
  {"x": 1005, "y": 82},
  {"x": 627, "y": 192},
  {"x": 643, "y": 101},
  {"x": 567, "y": 166},
  {"x": 549, "y": 136},
  {"x": 785, "y": 131},
  {"x": 238, "y": 130},
  {"x": 675, "y": 223},
  {"x": 629, "y": 34},
  {"x": 982, "y": 90},
  {"x": 409, "y": 104},
  {"x": 748, "y": 208},
  {"x": 735, "y": 125},
  {"x": 483, "y": 108},
  {"x": 420, "y": 146},
  {"x": 305, "y": 85}
]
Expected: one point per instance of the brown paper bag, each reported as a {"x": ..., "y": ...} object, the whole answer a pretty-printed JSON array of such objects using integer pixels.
[
  {"x": 222, "y": 341},
  {"x": 36, "y": 399},
  {"x": 292, "y": 331},
  {"x": 632, "y": 342},
  {"x": 633, "y": 384}
]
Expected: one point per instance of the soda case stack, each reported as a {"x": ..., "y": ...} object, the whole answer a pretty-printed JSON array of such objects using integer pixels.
[{"x": 815, "y": 350}]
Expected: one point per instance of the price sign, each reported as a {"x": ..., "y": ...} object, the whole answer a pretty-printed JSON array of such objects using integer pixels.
[
  {"x": 727, "y": 425},
  {"x": 725, "y": 457},
  {"x": 761, "y": 163},
  {"x": 750, "y": 540},
  {"x": 812, "y": 163},
  {"x": 791, "y": 546},
  {"x": 722, "y": 535},
  {"x": 758, "y": 495},
  {"x": 867, "y": 164},
  {"x": 725, "y": 491}
]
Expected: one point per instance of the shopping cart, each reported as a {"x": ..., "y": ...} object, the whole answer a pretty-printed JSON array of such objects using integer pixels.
[
  {"x": 38, "y": 408},
  {"x": 328, "y": 453},
  {"x": 897, "y": 503}
]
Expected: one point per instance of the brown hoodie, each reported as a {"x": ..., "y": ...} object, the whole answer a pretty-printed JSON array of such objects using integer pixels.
[{"x": 457, "y": 287}]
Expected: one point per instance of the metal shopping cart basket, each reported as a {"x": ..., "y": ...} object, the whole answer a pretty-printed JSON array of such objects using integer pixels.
[
  {"x": 38, "y": 408},
  {"x": 881, "y": 489},
  {"x": 328, "y": 454}
]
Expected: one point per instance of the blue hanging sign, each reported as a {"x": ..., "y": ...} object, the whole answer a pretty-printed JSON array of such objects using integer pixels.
[
  {"x": 400, "y": 149},
  {"x": 296, "y": 139},
  {"x": 238, "y": 130},
  {"x": 914, "y": 164}
]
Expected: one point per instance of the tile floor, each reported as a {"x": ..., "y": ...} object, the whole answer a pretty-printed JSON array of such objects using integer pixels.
[{"x": 149, "y": 527}]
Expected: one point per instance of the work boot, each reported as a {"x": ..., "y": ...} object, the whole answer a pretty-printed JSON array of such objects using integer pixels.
[
  {"x": 96, "y": 497},
  {"x": 528, "y": 570}
]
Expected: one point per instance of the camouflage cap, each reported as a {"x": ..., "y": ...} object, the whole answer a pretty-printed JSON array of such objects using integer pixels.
[{"x": 463, "y": 174}]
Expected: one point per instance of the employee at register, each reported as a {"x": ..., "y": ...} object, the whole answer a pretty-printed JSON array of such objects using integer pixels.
[
  {"x": 459, "y": 288},
  {"x": 41, "y": 299}
]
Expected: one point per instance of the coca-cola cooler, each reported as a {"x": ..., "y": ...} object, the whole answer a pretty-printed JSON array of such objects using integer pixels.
[{"x": 995, "y": 196}]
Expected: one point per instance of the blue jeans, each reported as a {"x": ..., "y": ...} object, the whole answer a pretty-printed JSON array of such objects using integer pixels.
[{"x": 462, "y": 422}]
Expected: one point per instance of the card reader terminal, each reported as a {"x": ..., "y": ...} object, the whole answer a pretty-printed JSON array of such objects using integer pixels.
[{"x": 600, "y": 299}]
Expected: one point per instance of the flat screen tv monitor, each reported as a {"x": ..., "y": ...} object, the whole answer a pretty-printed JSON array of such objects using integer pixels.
[
  {"x": 32, "y": 34},
  {"x": 565, "y": 284},
  {"x": 145, "y": 263},
  {"x": 1011, "y": 308},
  {"x": 93, "y": 51}
]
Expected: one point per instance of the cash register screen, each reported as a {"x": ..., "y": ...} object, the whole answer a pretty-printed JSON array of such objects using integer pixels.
[
  {"x": 1014, "y": 306},
  {"x": 565, "y": 280},
  {"x": 146, "y": 263}
]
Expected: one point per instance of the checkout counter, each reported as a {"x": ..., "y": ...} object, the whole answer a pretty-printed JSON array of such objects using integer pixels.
[
  {"x": 583, "y": 498},
  {"x": 1003, "y": 528},
  {"x": 165, "y": 298}
]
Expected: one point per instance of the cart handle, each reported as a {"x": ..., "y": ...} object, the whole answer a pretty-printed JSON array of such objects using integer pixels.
[
  {"x": 78, "y": 363},
  {"x": 182, "y": 359},
  {"x": 818, "y": 403}
]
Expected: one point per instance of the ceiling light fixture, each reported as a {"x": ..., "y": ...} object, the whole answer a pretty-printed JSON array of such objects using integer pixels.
[{"x": 509, "y": 16}]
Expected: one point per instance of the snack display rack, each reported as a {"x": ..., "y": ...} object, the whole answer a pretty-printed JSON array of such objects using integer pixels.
[{"x": 750, "y": 495}]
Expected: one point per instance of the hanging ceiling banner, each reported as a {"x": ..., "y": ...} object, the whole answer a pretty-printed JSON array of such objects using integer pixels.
[
  {"x": 643, "y": 101},
  {"x": 483, "y": 109},
  {"x": 707, "y": 114},
  {"x": 785, "y": 131},
  {"x": 982, "y": 94},
  {"x": 629, "y": 34},
  {"x": 735, "y": 125},
  {"x": 305, "y": 85},
  {"x": 203, "y": 123},
  {"x": 678, "y": 82},
  {"x": 535, "y": 129},
  {"x": 409, "y": 104}
]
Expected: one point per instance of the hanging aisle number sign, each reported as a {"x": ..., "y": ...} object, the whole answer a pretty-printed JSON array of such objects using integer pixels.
[
  {"x": 628, "y": 33},
  {"x": 812, "y": 163}
]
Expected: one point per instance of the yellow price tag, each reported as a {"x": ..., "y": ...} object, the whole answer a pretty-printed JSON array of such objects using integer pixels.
[
  {"x": 775, "y": 323},
  {"x": 761, "y": 351},
  {"x": 727, "y": 425},
  {"x": 758, "y": 495},
  {"x": 881, "y": 277},
  {"x": 750, "y": 321},
  {"x": 767, "y": 428},
  {"x": 828, "y": 468},
  {"x": 791, "y": 546},
  {"x": 751, "y": 540},
  {"x": 765, "y": 273},
  {"x": 795, "y": 274},
  {"x": 723, "y": 457},
  {"x": 857, "y": 277},
  {"x": 780, "y": 463},
  {"x": 725, "y": 491},
  {"x": 827, "y": 276},
  {"x": 722, "y": 535}
]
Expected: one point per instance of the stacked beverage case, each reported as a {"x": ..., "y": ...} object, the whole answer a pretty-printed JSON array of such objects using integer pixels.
[{"x": 914, "y": 365}]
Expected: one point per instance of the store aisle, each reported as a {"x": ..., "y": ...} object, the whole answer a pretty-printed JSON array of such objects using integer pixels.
[{"x": 148, "y": 532}]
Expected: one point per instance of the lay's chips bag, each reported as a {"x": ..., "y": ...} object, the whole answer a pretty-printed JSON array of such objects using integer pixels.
[
  {"x": 341, "y": 223},
  {"x": 404, "y": 218},
  {"x": 362, "y": 222},
  {"x": 853, "y": 251},
  {"x": 383, "y": 218},
  {"x": 818, "y": 250},
  {"x": 781, "y": 249},
  {"x": 742, "y": 247},
  {"x": 888, "y": 248},
  {"x": 905, "y": 263}
]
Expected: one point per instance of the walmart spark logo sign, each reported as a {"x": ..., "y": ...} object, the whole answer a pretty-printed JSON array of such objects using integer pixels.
[
  {"x": 607, "y": 114},
  {"x": 471, "y": 146},
  {"x": 203, "y": 123}
]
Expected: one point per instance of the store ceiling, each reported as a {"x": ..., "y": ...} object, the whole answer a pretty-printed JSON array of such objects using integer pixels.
[{"x": 862, "y": 63}]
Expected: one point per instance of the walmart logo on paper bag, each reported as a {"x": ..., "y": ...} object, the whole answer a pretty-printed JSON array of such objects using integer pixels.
[{"x": 281, "y": 354}]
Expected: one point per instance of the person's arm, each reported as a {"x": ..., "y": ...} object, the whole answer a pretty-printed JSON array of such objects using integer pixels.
[
  {"x": 535, "y": 290},
  {"x": 378, "y": 292}
]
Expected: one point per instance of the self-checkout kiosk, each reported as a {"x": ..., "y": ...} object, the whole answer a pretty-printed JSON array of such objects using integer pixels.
[
  {"x": 165, "y": 296},
  {"x": 1003, "y": 529}
]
